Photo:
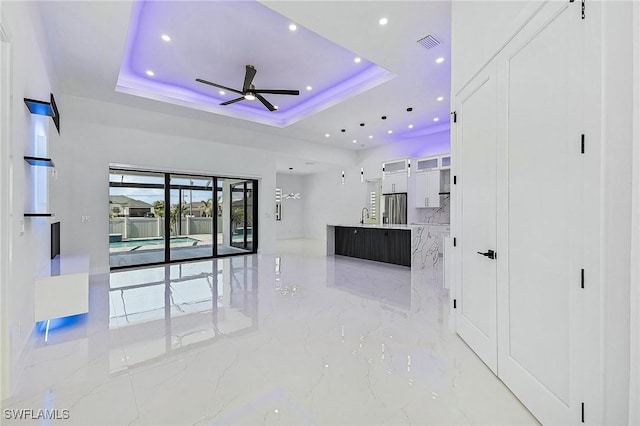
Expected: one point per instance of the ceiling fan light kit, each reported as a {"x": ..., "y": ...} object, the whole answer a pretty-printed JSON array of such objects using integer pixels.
[{"x": 249, "y": 92}]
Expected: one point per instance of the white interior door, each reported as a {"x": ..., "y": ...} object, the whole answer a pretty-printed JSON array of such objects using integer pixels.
[
  {"x": 539, "y": 293},
  {"x": 476, "y": 147}
]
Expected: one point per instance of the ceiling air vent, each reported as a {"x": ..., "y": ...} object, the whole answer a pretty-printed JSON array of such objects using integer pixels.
[{"x": 428, "y": 42}]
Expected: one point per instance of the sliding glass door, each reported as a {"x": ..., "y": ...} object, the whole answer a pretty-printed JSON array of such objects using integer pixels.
[
  {"x": 167, "y": 217},
  {"x": 192, "y": 214},
  {"x": 237, "y": 202},
  {"x": 241, "y": 215},
  {"x": 136, "y": 218}
]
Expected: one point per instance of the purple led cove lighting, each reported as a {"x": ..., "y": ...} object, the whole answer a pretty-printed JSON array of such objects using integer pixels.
[{"x": 225, "y": 64}]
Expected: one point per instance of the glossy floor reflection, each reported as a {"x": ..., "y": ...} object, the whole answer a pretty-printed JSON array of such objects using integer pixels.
[{"x": 288, "y": 339}]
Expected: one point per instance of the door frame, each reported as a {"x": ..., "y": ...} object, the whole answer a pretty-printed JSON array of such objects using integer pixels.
[
  {"x": 6, "y": 206},
  {"x": 486, "y": 75}
]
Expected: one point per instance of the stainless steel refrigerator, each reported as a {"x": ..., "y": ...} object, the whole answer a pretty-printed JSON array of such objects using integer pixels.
[{"x": 395, "y": 209}]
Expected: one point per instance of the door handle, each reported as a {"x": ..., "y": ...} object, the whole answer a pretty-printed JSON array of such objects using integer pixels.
[{"x": 490, "y": 254}]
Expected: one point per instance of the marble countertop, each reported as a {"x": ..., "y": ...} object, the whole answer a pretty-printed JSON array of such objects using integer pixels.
[{"x": 389, "y": 226}]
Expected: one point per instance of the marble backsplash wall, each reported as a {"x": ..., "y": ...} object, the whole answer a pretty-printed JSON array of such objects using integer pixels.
[{"x": 436, "y": 215}]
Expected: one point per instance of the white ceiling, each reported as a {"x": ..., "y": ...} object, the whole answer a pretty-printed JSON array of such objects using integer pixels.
[{"x": 88, "y": 39}]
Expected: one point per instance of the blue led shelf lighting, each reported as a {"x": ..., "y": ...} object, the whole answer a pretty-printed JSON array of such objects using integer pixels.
[{"x": 45, "y": 108}]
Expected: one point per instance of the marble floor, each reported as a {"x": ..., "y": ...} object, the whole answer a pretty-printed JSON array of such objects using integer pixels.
[{"x": 294, "y": 338}]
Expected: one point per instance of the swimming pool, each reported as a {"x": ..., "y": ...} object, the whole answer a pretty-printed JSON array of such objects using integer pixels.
[{"x": 152, "y": 242}]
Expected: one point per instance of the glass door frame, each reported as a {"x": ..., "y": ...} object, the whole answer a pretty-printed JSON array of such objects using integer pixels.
[
  {"x": 232, "y": 188},
  {"x": 167, "y": 214},
  {"x": 167, "y": 211}
]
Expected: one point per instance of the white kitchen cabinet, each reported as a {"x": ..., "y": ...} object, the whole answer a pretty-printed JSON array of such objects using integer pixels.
[
  {"x": 395, "y": 166},
  {"x": 427, "y": 189},
  {"x": 395, "y": 176},
  {"x": 395, "y": 182},
  {"x": 62, "y": 288},
  {"x": 445, "y": 161},
  {"x": 429, "y": 163}
]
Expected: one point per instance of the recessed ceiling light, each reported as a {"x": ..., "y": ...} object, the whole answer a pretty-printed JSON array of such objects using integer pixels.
[
  {"x": 411, "y": 126},
  {"x": 343, "y": 130},
  {"x": 383, "y": 21},
  {"x": 150, "y": 73},
  {"x": 440, "y": 60},
  {"x": 384, "y": 117},
  {"x": 326, "y": 135},
  {"x": 293, "y": 27},
  {"x": 436, "y": 119},
  {"x": 389, "y": 131},
  {"x": 165, "y": 37},
  {"x": 355, "y": 141},
  {"x": 440, "y": 98},
  {"x": 309, "y": 88},
  {"x": 357, "y": 60},
  {"x": 221, "y": 92},
  {"x": 409, "y": 109},
  {"x": 370, "y": 136},
  {"x": 361, "y": 124}
]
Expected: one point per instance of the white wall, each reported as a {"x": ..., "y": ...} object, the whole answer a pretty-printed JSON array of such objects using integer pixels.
[
  {"x": 634, "y": 299},
  {"x": 90, "y": 147},
  {"x": 331, "y": 202},
  {"x": 30, "y": 76},
  {"x": 617, "y": 119},
  {"x": 293, "y": 219}
]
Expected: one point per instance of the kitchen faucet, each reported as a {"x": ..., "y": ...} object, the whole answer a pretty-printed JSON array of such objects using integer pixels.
[{"x": 362, "y": 215}]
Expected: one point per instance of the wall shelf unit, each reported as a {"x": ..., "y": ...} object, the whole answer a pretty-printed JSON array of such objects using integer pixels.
[
  {"x": 39, "y": 161},
  {"x": 40, "y": 179},
  {"x": 49, "y": 109}
]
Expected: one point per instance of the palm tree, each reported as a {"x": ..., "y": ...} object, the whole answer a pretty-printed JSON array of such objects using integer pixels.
[
  {"x": 177, "y": 210},
  {"x": 158, "y": 208},
  {"x": 208, "y": 207}
]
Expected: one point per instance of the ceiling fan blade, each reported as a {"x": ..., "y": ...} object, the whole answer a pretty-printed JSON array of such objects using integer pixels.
[
  {"x": 248, "y": 77},
  {"x": 199, "y": 80},
  {"x": 265, "y": 102},
  {"x": 233, "y": 101},
  {"x": 277, "y": 92}
]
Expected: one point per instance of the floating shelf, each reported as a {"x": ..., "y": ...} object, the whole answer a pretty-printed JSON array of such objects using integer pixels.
[
  {"x": 38, "y": 214},
  {"x": 49, "y": 109},
  {"x": 39, "y": 161}
]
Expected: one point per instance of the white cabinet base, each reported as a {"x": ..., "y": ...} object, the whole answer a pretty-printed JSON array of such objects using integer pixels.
[{"x": 62, "y": 288}]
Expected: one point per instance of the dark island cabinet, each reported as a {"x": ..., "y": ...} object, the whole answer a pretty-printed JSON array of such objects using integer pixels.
[{"x": 381, "y": 245}]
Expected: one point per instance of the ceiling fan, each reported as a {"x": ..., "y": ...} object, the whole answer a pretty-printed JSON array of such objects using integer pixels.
[{"x": 249, "y": 92}]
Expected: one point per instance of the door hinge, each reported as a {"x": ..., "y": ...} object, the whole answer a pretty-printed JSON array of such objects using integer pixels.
[
  {"x": 582, "y": 278},
  {"x": 583, "y": 6},
  {"x": 582, "y": 143},
  {"x": 455, "y": 117},
  {"x": 454, "y": 179},
  {"x": 454, "y": 241},
  {"x": 454, "y": 304},
  {"x": 582, "y": 409}
]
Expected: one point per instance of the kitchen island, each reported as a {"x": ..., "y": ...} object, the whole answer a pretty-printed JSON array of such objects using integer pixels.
[{"x": 419, "y": 246}]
